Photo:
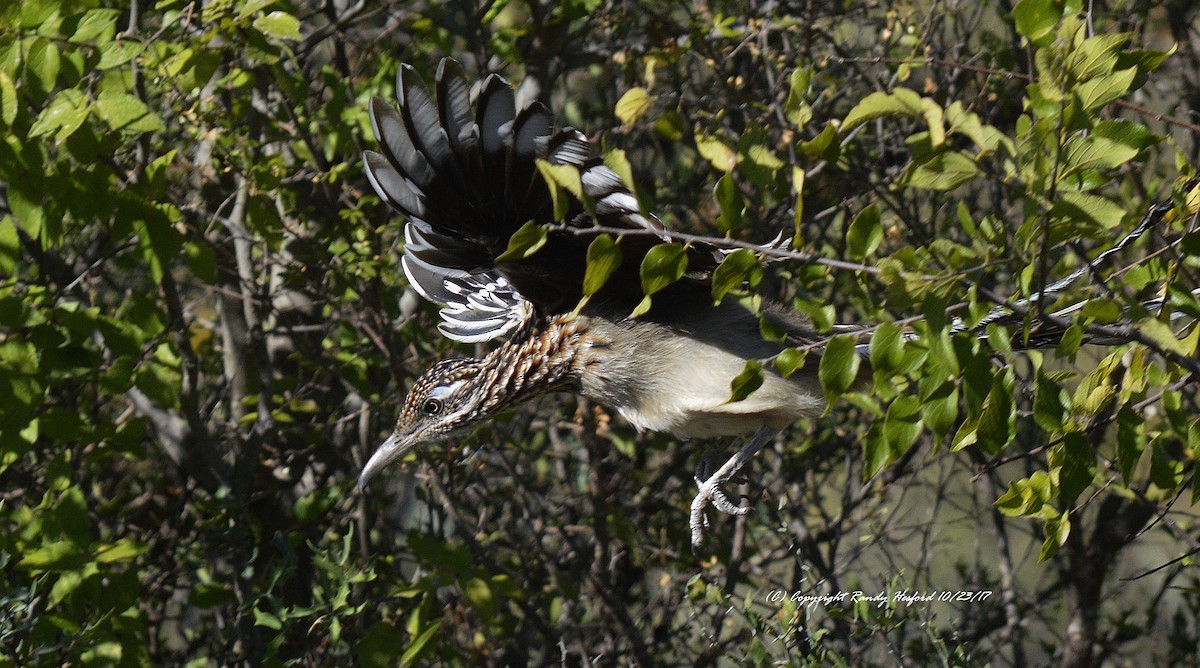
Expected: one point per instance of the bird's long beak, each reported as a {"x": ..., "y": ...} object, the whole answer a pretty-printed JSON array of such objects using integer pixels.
[{"x": 389, "y": 451}]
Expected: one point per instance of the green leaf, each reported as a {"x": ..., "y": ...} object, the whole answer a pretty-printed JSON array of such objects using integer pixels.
[
  {"x": 1085, "y": 207},
  {"x": 1057, "y": 530},
  {"x": 44, "y": 62},
  {"x": 559, "y": 178},
  {"x": 1036, "y": 19},
  {"x": 790, "y": 360},
  {"x": 747, "y": 381},
  {"x": 1099, "y": 92},
  {"x": 252, "y": 7},
  {"x": 797, "y": 108},
  {"x": 125, "y": 112},
  {"x": 940, "y": 408},
  {"x": 1095, "y": 56},
  {"x": 663, "y": 265},
  {"x": 160, "y": 243},
  {"x": 201, "y": 260},
  {"x": 1075, "y": 460},
  {"x": 1049, "y": 411},
  {"x": 798, "y": 214},
  {"x": 524, "y": 242},
  {"x": 944, "y": 171},
  {"x": 122, "y": 550},
  {"x": 1071, "y": 340},
  {"x": 616, "y": 160},
  {"x": 1101, "y": 310},
  {"x": 762, "y": 157},
  {"x": 278, "y": 24},
  {"x": 63, "y": 116},
  {"x": 993, "y": 431},
  {"x": 266, "y": 619},
  {"x": 900, "y": 102},
  {"x": 420, "y": 645},
  {"x": 887, "y": 348},
  {"x": 1026, "y": 497},
  {"x": 729, "y": 199},
  {"x": 865, "y": 233},
  {"x": 29, "y": 213},
  {"x": 839, "y": 366},
  {"x": 716, "y": 153},
  {"x": 10, "y": 253},
  {"x": 118, "y": 52},
  {"x": 902, "y": 424},
  {"x": 97, "y": 25},
  {"x": 738, "y": 267},
  {"x": 1131, "y": 442},
  {"x": 824, "y": 146},
  {"x": 1162, "y": 334},
  {"x": 479, "y": 594},
  {"x": 633, "y": 105},
  {"x": 642, "y": 308},
  {"x": 1092, "y": 152},
  {"x": 8, "y": 99},
  {"x": 877, "y": 452},
  {"x": 603, "y": 258},
  {"x": 53, "y": 555},
  {"x": 1126, "y": 133}
]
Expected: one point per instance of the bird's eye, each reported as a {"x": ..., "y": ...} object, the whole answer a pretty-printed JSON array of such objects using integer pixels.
[{"x": 432, "y": 406}]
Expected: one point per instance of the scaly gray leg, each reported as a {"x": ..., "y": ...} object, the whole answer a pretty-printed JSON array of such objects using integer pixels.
[
  {"x": 710, "y": 488},
  {"x": 720, "y": 501}
]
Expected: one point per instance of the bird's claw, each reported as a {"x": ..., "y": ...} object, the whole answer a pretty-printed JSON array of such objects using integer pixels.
[{"x": 711, "y": 493}]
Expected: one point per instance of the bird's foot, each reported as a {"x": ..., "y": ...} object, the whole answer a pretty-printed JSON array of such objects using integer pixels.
[
  {"x": 711, "y": 493},
  {"x": 710, "y": 488}
]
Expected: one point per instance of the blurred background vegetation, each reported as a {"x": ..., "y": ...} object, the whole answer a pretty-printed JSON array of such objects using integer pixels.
[{"x": 204, "y": 332}]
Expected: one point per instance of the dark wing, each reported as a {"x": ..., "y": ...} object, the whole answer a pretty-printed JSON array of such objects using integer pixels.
[{"x": 467, "y": 181}]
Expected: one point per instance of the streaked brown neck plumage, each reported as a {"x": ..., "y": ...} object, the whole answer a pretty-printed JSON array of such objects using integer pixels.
[
  {"x": 456, "y": 394},
  {"x": 544, "y": 357}
]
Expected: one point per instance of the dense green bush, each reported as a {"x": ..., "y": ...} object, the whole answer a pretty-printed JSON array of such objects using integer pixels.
[{"x": 204, "y": 332}]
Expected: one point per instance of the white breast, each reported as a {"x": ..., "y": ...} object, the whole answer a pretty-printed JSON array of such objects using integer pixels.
[{"x": 660, "y": 380}]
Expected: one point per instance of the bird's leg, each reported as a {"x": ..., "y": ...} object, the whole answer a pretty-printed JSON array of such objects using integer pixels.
[
  {"x": 719, "y": 500},
  {"x": 710, "y": 489}
]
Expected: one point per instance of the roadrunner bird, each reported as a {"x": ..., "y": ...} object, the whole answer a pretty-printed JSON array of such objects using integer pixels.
[{"x": 467, "y": 182}]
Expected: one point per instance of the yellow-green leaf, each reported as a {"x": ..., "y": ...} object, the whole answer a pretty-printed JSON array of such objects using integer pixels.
[
  {"x": 1162, "y": 334},
  {"x": 739, "y": 266},
  {"x": 560, "y": 178},
  {"x": 633, "y": 105},
  {"x": 900, "y": 102},
  {"x": 126, "y": 112},
  {"x": 603, "y": 258},
  {"x": 8, "y": 99},
  {"x": 63, "y": 116},
  {"x": 279, "y": 24},
  {"x": 839, "y": 365},
  {"x": 730, "y": 201},
  {"x": 524, "y": 242},
  {"x": 1036, "y": 19},
  {"x": 865, "y": 232},
  {"x": 887, "y": 347},
  {"x": 746, "y": 382},
  {"x": 1103, "y": 90},
  {"x": 716, "y": 153},
  {"x": 1086, "y": 207},
  {"x": 663, "y": 265},
  {"x": 944, "y": 171}
]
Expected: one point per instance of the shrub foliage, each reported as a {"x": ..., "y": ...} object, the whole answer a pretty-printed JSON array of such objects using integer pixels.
[{"x": 203, "y": 332}]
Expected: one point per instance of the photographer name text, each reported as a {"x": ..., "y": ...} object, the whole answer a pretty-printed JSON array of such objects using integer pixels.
[{"x": 881, "y": 599}]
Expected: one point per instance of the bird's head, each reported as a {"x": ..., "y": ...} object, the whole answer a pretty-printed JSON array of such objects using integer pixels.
[{"x": 443, "y": 402}]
